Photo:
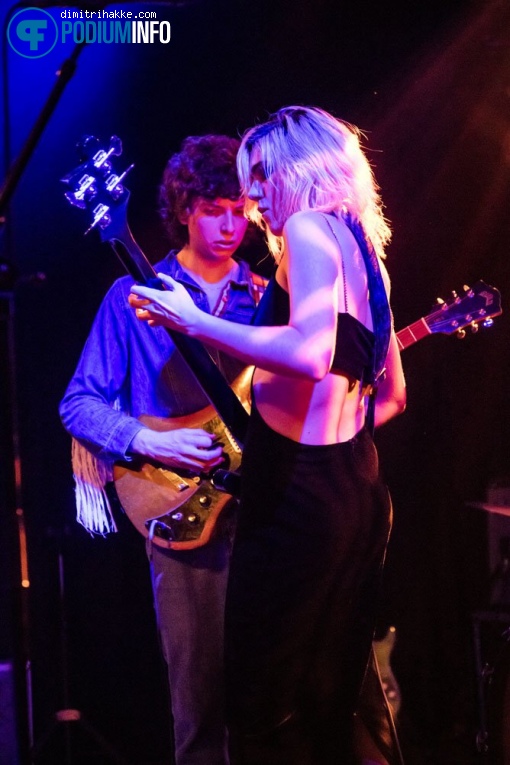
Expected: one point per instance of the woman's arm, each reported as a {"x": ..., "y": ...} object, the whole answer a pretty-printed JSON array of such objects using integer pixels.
[
  {"x": 391, "y": 395},
  {"x": 304, "y": 347}
]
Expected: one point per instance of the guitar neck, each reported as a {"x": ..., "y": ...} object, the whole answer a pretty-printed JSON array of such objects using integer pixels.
[
  {"x": 207, "y": 374},
  {"x": 133, "y": 259},
  {"x": 412, "y": 333}
]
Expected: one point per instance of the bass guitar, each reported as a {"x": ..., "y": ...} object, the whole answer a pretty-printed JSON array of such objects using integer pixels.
[{"x": 178, "y": 510}]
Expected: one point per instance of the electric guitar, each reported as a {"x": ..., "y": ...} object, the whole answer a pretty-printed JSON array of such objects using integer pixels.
[
  {"x": 152, "y": 494},
  {"x": 179, "y": 509}
]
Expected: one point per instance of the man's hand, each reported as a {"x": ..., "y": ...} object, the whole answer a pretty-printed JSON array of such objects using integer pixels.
[{"x": 188, "y": 448}]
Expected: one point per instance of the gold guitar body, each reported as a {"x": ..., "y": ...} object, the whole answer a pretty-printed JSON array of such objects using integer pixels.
[{"x": 179, "y": 509}]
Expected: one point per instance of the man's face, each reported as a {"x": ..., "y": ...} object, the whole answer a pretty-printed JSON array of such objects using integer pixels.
[{"x": 216, "y": 228}]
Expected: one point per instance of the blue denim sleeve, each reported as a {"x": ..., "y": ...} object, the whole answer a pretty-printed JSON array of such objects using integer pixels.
[{"x": 100, "y": 383}]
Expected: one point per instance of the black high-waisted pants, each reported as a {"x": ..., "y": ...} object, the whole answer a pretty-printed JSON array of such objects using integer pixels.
[{"x": 312, "y": 532}]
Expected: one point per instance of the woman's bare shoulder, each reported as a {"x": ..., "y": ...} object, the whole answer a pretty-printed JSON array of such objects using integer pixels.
[
  {"x": 309, "y": 218},
  {"x": 312, "y": 226}
]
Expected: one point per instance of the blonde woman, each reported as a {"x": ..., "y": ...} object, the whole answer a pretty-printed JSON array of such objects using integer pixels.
[{"x": 315, "y": 514}]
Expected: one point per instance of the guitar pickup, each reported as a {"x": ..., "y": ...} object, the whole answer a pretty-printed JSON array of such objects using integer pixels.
[
  {"x": 178, "y": 483},
  {"x": 233, "y": 442}
]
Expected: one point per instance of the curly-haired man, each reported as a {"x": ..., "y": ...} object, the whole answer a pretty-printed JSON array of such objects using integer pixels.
[{"x": 126, "y": 370}]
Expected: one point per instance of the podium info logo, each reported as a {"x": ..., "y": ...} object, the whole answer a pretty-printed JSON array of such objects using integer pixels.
[{"x": 32, "y": 33}]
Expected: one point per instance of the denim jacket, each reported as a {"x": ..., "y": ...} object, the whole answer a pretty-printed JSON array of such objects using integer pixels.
[{"x": 127, "y": 369}]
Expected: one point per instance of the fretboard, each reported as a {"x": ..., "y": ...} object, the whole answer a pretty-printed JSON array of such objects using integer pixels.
[{"x": 412, "y": 333}]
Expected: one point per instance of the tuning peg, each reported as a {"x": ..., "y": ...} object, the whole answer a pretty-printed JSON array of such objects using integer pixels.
[
  {"x": 84, "y": 191},
  {"x": 87, "y": 146},
  {"x": 467, "y": 289},
  {"x": 115, "y": 146},
  {"x": 113, "y": 183},
  {"x": 474, "y": 327},
  {"x": 461, "y": 334},
  {"x": 74, "y": 200},
  {"x": 102, "y": 217},
  {"x": 488, "y": 322},
  {"x": 440, "y": 301}
]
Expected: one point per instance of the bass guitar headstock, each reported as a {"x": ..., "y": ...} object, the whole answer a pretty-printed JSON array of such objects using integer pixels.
[{"x": 96, "y": 187}]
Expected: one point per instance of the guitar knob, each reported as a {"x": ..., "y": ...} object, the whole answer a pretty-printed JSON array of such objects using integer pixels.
[
  {"x": 177, "y": 516},
  {"x": 204, "y": 500},
  {"x": 193, "y": 519}
]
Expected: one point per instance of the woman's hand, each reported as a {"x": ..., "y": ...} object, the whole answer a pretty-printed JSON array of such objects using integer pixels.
[{"x": 172, "y": 307}]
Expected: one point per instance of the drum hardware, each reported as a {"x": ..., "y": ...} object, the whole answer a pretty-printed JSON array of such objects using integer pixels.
[
  {"x": 58, "y": 740},
  {"x": 491, "y": 508},
  {"x": 491, "y": 639},
  {"x": 491, "y": 636},
  {"x": 498, "y": 530}
]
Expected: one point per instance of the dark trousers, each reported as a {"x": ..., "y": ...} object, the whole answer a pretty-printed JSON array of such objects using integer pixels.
[{"x": 312, "y": 533}]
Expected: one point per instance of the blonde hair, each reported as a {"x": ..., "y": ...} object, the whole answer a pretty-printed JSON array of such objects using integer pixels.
[{"x": 315, "y": 162}]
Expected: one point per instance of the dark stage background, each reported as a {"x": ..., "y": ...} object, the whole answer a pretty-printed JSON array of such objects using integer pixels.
[{"x": 429, "y": 83}]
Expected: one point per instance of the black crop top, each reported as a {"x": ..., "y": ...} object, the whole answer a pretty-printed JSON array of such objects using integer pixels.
[{"x": 354, "y": 346}]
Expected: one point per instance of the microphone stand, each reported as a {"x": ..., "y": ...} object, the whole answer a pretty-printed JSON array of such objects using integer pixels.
[
  {"x": 64, "y": 74},
  {"x": 28, "y": 749},
  {"x": 16, "y": 529}
]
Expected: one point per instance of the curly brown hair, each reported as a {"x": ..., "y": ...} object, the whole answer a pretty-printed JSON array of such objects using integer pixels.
[{"x": 205, "y": 167}]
